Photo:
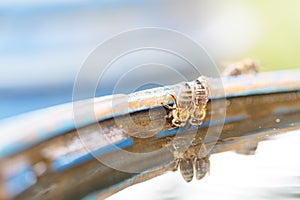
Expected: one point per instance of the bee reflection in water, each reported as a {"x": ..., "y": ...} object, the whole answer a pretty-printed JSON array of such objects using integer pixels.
[{"x": 190, "y": 109}]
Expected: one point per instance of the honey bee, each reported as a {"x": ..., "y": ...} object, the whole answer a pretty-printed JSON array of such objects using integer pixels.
[
  {"x": 202, "y": 163},
  {"x": 180, "y": 111},
  {"x": 194, "y": 159},
  {"x": 200, "y": 99},
  {"x": 190, "y": 108},
  {"x": 246, "y": 66}
]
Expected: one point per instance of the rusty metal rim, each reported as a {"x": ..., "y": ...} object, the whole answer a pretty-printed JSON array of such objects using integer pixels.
[{"x": 32, "y": 128}]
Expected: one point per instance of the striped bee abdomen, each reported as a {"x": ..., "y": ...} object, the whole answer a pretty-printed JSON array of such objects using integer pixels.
[
  {"x": 187, "y": 169},
  {"x": 185, "y": 97},
  {"x": 200, "y": 91},
  {"x": 201, "y": 167}
]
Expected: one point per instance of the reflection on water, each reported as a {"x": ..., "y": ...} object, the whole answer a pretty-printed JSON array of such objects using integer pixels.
[{"x": 272, "y": 173}]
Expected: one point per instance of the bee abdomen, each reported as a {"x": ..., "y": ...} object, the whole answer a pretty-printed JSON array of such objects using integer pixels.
[
  {"x": 187, "y": 169},
  {"x": 185, "y": 105},
  {"x": 201, "y": 101},
  {"x": 201, "y": 167},
  {"x": 201, "y": 91}
]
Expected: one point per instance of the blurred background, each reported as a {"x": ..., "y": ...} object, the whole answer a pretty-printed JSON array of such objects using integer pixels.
[{"x": 43, "y": 44}]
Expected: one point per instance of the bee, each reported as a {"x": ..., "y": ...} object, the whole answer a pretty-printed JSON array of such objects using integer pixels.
[
  {"x": 183, "y": 104},
  {"x": 200, "y": 99},
  {"x": 202, "y": 163},
  {"x": 190, "y": 108},
  {"x": 193, "y": 159},
  {"x": 246, "y": 66}
]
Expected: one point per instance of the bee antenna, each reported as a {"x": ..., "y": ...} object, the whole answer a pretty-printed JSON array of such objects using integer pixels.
[{"x": 174, "y": 99}]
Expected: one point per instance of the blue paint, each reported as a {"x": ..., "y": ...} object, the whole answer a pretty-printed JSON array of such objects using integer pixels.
[
  {"x": 39, "y": 136},
  {"x": 90, "y": 197},
  {"x": 19, "y": 180},
  {"x": 167, "y": 133},
  {"x": 70, "y": 160},
  {"x": 265, "y": 90},
  {"x": 282, "y": 111}
]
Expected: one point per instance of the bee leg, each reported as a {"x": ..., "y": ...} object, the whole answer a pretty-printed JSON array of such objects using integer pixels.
[
  {"x": 174, "y": 165},
  {"x": 167, "y": 106},
  {"x": 173, "y": 98},
  {"x": 174, "y": 101},
  {"x": 169, "y": 116},
  {"x": 202, "y": 151}
]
